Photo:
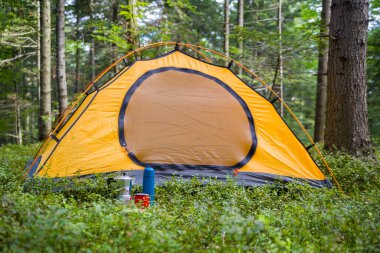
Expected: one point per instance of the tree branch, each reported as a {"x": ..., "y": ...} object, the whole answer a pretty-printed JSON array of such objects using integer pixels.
[{"x": 3, "y": 62}]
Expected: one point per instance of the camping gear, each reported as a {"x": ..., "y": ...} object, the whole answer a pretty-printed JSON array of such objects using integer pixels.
[
  {"x": 141, "y": 199},
  {"x": 125, "y": 183},
  {"x": 184, "y": 117},
  {"x": 148, "y": 183}
]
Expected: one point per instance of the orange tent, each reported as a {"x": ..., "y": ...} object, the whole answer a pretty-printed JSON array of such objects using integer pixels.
[{"x": 182, "y": 116}]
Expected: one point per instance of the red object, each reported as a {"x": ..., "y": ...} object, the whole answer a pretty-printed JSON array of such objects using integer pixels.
[{"x": 142, "y": 199}]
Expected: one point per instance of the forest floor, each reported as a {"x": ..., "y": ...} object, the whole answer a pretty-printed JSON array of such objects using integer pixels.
[{"x": 188, "y": 216}]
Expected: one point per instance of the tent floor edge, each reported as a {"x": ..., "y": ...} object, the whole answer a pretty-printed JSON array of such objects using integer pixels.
[{"x": 242, "y": 179}]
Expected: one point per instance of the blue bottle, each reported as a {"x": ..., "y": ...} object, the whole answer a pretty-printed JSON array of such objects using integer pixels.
[{"x": 148, "y": 183}]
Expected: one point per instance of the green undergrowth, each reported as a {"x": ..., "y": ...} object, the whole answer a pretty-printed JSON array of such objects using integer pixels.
[{"x": 189, "y": 216}]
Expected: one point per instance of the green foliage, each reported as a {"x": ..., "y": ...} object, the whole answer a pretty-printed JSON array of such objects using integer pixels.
[
  {"x": 373, "y": 73},
  {"x": 356, "y": 174},
  {"x": 12, "y": 163},
  {"x": 189, "y": 216},
  {"x": 18, "y": 41}
]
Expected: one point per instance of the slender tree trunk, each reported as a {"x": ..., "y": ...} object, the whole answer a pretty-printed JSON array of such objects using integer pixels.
[
  {"x": 92, "y": 43},
  {"x": 77, "y": 52},
  {"x": 280, "y": 62},
  {"x": 38, "y": 53},
  {"x": 226, "y": 27},
  {"x": 36, "y": 120},
  {"x": 323, "y": 46},
  {"x": 92, "y": 58},
  {"x": 28, "y": 96},
  {"x": 241, "y": 25},
  {"x": 45, "y": 74},
  {"x": 61, "y": 65},
  {"x": 77, "y": 69},
  {"x": 18, "y": 130},
  {"x": 115, "y": 20},
  {"x": 136, "y": 38},
  {"x": 130, "y": 25},
  {"x": 347, "y": 116}
]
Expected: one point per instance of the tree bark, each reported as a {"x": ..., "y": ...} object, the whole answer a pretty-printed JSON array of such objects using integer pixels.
[
  {"x": 45, "y": 73},
  {"x": 77, "y": 55},
  {"x": 36, "y": 123},
  {"x": 18, "y": 130},
  {"x": 130, "y": 25},
  {"x": 115, "y": 20},
  {"x": 61, "y": 65},
  {"x": 241, "y": 25},
  {"x": 92, "y": 58},
  {"x": 280, "y": 62},
  {"x": 28, "y": 118},
  {"x": 92, "y": 43},
  {"x": 38, "y": 49},
  {"x": 323, "y": 47},
  {"x": 347, "y": 116},
  {"x": 226, "y": 27}
]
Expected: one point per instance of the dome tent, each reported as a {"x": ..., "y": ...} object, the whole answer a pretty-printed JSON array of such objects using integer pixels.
[{"x": 182, "y": 116}]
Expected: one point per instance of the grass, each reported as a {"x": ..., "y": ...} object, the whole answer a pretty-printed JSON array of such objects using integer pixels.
[{"x": 189, "y": 216}]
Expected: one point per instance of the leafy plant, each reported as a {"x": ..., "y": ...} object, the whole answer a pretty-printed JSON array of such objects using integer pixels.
[{"x": 198, "y": 215}]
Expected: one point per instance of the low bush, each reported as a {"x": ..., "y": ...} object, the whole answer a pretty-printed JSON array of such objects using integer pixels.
[{"x": 189, "y": 216}]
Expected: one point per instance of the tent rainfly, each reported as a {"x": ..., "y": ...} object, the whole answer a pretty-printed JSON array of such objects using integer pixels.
[{"x": 182, "y": 116}]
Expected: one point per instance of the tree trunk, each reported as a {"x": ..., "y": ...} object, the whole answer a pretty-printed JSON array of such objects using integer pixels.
[
  {"x": 280, "y": 62},
  {"x": 92, "y": 58},
  {"x": 347, "y": 116},
  {"x": 45, "y": 73},
  {"x": 130, "y": 25},
  {"x": 136, "y": 38},
  {"x": 115, "y": 20},
  {"x": 92, "y": 43},
  {"x": 28, "y": 120},
  {"x": 61, "y": 65},
  {"x": 38, "y": 49},
  {"x": 77, "y": 52},
  {"x": 241, "y": 25},
  {"x": 36, "y": 123},
  {"x": 323, "y": 47},
  {"x": 18, "y": 130},
  {"x": 34, "y": 113},
  {"x": 226, "y": 27}
]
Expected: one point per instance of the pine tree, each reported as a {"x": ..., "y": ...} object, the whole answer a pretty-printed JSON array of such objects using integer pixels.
[
  {"x": 60, "y": 48},
  {"x": 347, "y": 118},
  {"x": 45, "y": 74}
]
